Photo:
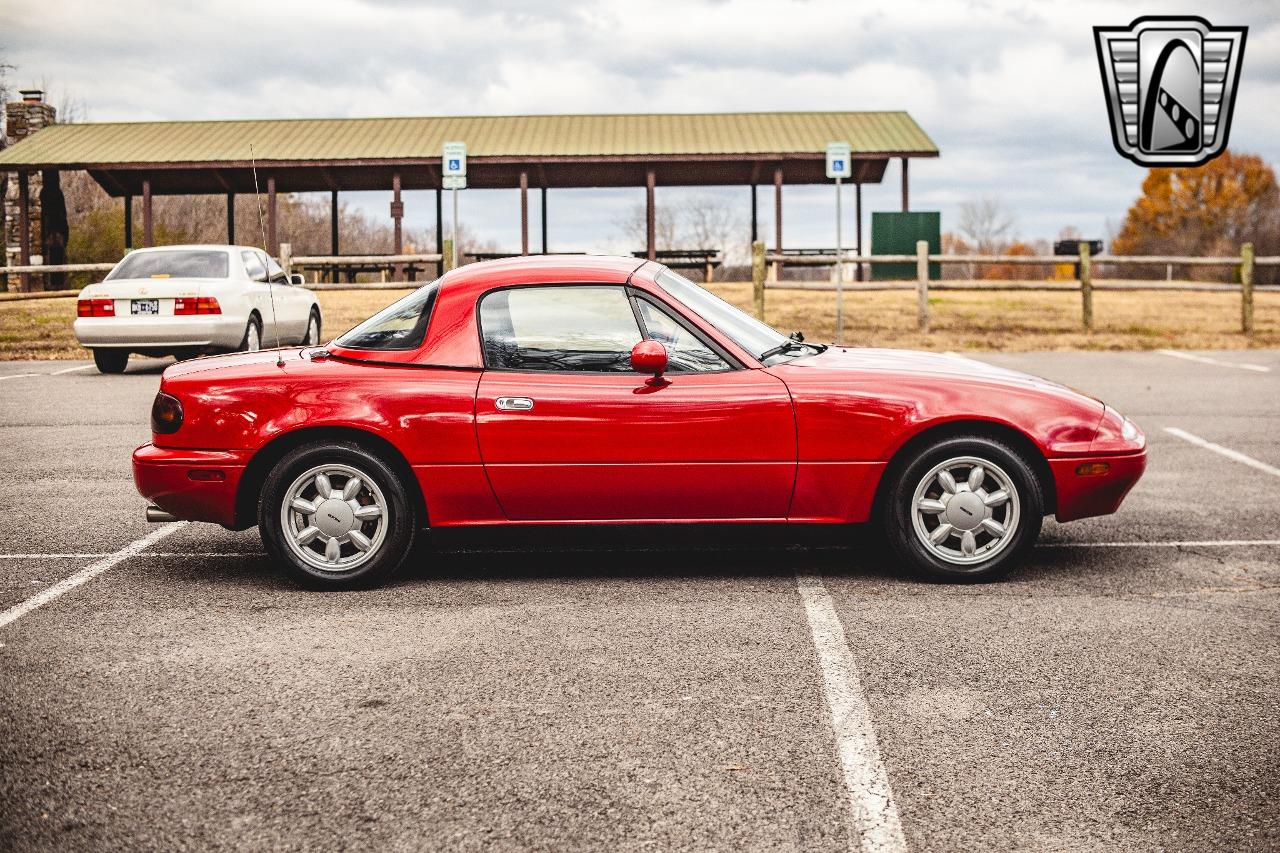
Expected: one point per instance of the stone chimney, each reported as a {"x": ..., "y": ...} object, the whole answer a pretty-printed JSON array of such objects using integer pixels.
[{"x": 23, "y": 118}]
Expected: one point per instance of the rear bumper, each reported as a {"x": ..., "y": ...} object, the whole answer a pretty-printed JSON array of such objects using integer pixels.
[
  {"x": 1082, "y": 496},
  {"x": 164, "y": 477},
  {"x": 161, "y": 331}
]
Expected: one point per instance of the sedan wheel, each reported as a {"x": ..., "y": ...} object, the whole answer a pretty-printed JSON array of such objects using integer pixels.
[
  {"x": 965, "y": 509},
  {"x": 336, "y": 516},
  {"x": 252, "y": 337},
  {"x": 313, "y": 330}
]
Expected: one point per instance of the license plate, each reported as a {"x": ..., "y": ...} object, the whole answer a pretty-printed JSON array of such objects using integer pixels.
[{"x": 145, "y": 306}]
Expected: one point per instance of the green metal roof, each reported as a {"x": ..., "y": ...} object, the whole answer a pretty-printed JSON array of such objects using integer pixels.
[{"x": 727, "y": 135}]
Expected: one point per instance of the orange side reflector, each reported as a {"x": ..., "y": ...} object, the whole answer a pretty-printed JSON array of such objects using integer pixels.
[{"x": 1093, "y": 469}]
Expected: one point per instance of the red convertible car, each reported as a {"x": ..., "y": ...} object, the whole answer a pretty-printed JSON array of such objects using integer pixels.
[{"x": 594, "y": 390}]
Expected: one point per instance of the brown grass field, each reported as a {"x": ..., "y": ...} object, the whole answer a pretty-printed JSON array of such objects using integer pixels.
[{"x": 41, "y": 328}]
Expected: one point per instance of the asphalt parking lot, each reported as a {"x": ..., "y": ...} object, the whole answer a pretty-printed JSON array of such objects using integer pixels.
[{"x": 669, "y": 690}]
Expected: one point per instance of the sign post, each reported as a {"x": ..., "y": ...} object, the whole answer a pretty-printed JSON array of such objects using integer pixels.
[
  {"x": 839, "y": 167},
  {"x": 453, "y": 172}
]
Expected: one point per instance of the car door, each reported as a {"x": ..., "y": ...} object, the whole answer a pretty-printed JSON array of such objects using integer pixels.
[
  {"x": 293, "y": 304},
  {"x": 568, "y": 431}
]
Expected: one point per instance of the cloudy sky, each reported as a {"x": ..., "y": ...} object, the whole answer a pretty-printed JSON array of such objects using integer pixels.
[{"x": 1010, "y": 91}]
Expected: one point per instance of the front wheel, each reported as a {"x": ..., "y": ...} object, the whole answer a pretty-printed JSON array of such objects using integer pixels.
[
  {"x": 336, "y": 516},
  {"x": 111, "y": 360},
  {"x": 965, "y": 509},
  {"x": 252, "y": 341},
  {"x": 313, "y": 329}
]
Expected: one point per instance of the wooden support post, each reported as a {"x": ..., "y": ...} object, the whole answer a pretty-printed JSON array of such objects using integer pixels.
[
  {"x": 440, "y": 229},
  {"x": 777, "y": 220},
  {"x": 1246, "y": 288},
  {"x": 446, "y": 251},
  {"x": 524, "y": 213},
  {"x": 755, "y": 218},
  {"x": 922, "y": 285},
  {"x": 708, "y": 271},
  {"x": 857, "y": 215},
  {"x": 148, "y": 224},
  {"x": 273, "y": 244},
  {"x": 397, "y": 219},
  {"x": 24, "y": 229},
  {"x": 650, "y": 180},
  {"x": 128, "y": 223},
  {"x": 757, "y": 277},
  {"x": 231, "y": 219},
  {"x": 333, "y": 232},
  {"x": 1086, "y": 287},
  {"x": 905, "y": 193},
  {"x": 286, "y": 257},
  {"x": 544, "y": 220}
]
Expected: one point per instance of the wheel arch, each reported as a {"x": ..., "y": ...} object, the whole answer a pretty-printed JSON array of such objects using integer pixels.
[
  {"x": 255, "y": 473},
  {"x": 1015, "y": 438}
]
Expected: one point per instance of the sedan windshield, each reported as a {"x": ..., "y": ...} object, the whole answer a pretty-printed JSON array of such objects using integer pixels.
[
  {"x": 175, "y": 263},
  {"x": 764, "y": 342}
]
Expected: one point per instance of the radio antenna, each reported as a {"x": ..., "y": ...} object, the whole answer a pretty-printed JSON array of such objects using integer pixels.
[{"x": 262, "y": 229}]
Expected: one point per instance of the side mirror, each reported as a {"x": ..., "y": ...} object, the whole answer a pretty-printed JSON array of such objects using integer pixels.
[
  {"x": 649, "y": 357},
  {"x": 297, "y": 278}
]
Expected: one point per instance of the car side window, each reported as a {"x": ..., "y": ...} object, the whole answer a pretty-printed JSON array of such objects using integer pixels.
[
  {"x": 560, "y": 328},
  {"x": 253, "y": 266},
  {"x": 276, "y": 272},
  {"x": 686, "y": 353}
]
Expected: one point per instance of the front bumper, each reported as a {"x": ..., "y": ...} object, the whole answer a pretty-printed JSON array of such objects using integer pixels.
[
  {"x": 1085, "y": 495},
  {"x": 164, "y": 476},
  {"x": 160, "y": 331}
]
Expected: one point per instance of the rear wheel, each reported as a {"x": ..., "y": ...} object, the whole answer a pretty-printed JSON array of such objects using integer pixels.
[
  {"x": 111, "y": 360},
  {"x": 336, "y": 516},
  {"x": 965, "y": 509},
  {"x": 252, "y": 341}
]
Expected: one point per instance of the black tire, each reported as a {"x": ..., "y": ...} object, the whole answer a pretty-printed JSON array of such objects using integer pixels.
[
  {"x": 391, "y": 547},
  {"x": 1003, "y": 464},
  {"x": 316, "y": 319},
  {"x": 111, "y": 360},
  {"x": 252, "y": 330}
]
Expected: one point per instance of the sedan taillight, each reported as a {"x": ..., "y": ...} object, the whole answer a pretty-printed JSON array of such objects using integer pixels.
[
  {"x": 199, "y": 305},
  {"x": 95, "y": 308}
]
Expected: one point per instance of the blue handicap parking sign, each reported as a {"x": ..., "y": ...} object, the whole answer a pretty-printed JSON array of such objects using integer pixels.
[
  {"x": 455, "y": 164},
  {"x": 837, "y": 165}
]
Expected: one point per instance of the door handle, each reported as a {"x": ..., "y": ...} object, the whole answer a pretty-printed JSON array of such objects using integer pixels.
[{"x": 513, "y": 404}]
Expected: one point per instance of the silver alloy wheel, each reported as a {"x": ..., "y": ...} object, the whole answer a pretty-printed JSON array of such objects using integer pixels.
[
  {"x": 313, "y": 331},
  {"x": 252, "y": 338},
  {"x": 965, "y": 510},
  {"x": 334, "y": 517}
]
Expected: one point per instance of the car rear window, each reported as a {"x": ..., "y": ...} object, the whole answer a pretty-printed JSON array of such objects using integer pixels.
[
  {"x": 401, "y": 325},
  {"x": 178, "y": 263}
]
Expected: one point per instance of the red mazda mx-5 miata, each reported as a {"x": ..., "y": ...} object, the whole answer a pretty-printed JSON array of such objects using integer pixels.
[{"x": 594, "y": 390}]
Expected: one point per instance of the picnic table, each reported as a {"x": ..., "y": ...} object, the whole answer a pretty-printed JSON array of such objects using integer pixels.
[
  {"x": 706, "y": 260},
  {"x": 348, "y": 270}
]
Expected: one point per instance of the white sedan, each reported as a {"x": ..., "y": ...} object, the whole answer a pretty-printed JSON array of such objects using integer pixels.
[{"x": 189, "y": 300}]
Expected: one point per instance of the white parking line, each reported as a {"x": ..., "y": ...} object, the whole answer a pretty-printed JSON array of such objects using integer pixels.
[
  {"x": 17, "y": 376},
  {"x": 876, "y": 826},
  {"x": 1186, "y": 356},
  {"x": 1234, "y": 455},
  {"x": 71, "y": 369},
  {"x": 88, "y": 573},
  {"x": 1189, "y": 543}
]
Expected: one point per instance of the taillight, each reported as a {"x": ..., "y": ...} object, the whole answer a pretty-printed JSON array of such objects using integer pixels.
[
  {"x": 196, "y": 305},
  {"x": 166, "y": 414},
  {"x": 95, "y": 308}
]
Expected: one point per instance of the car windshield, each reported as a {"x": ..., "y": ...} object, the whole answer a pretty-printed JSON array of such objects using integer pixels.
[
  {"x": 401, "y": 325},
  {"x": 764, "y": 342},
  {"x": 174, "y": 263}
]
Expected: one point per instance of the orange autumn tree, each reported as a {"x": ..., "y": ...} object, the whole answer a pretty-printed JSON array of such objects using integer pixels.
[{"x": 1205, "y": 210}]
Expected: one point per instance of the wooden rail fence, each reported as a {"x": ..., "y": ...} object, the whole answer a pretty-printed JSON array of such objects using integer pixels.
[{"x": 765, "y": 265}]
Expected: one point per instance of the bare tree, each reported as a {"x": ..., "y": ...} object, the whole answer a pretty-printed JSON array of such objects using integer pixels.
[
  {"x": 635, "y": 229},
  {"x": 698, "y": 222},
  {"x": 986, "y": 224}
]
